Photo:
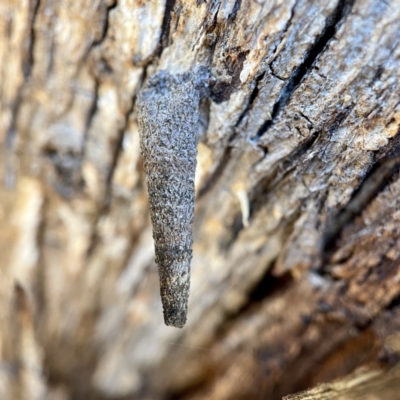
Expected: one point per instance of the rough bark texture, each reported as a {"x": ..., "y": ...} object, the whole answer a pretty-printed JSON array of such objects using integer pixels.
[
  {"x": 295, "y": 270},
  {"x": 371, "y": 385}
]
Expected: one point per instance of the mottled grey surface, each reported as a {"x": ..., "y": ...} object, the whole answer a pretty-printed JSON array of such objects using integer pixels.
[{"x": 168, "y": 113}]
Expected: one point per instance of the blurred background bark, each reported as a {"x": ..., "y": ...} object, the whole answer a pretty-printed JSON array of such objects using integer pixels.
[{"x": 295, "y": 275}]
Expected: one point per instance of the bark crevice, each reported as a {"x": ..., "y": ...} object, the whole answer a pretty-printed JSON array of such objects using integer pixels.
[
  {"x": 104, "y": 31},
  {"x": 332, "y": 24}
]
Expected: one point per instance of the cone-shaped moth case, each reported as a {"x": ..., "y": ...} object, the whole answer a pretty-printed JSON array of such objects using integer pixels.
[{"x": 168, "y": 113}]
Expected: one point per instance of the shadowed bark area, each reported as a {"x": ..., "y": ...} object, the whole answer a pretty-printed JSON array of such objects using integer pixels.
[{"x": 295, "y": 270}]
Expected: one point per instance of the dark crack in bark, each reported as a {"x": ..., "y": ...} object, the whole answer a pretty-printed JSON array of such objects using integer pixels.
[
  {"x": 27, "y": 65},
  {"x": 27, "y": 61},
  {"x": 166, "y": 25},
  {"x": 375, "y": 181},
  {"x": 104, "y": 31},
  {"x": 332, "y": 24}
]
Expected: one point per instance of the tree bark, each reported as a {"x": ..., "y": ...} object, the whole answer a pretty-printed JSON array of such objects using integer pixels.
[{"x": 295, "y": 271}]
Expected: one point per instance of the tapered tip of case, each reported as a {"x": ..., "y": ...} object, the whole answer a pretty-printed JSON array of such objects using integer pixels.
[
  {"x": 175, "y": 301},
  {"x": 175, "y": 320},
  {"x": 175, "y": 310},
  {"x": 174, "y": 270}
]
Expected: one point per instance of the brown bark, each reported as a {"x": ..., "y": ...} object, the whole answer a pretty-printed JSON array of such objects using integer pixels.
[
  {"x": 295, "y": 271},
  {"x": 360, "y": 385}
]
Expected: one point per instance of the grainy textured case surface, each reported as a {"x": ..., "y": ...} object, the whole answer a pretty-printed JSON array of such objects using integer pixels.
[{"x": 168, "y": 116}]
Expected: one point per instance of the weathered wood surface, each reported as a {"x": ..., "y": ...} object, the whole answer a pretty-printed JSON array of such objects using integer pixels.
[
  {"x": 288, "y": 290},
  {"x": 371, "y": 385}
]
